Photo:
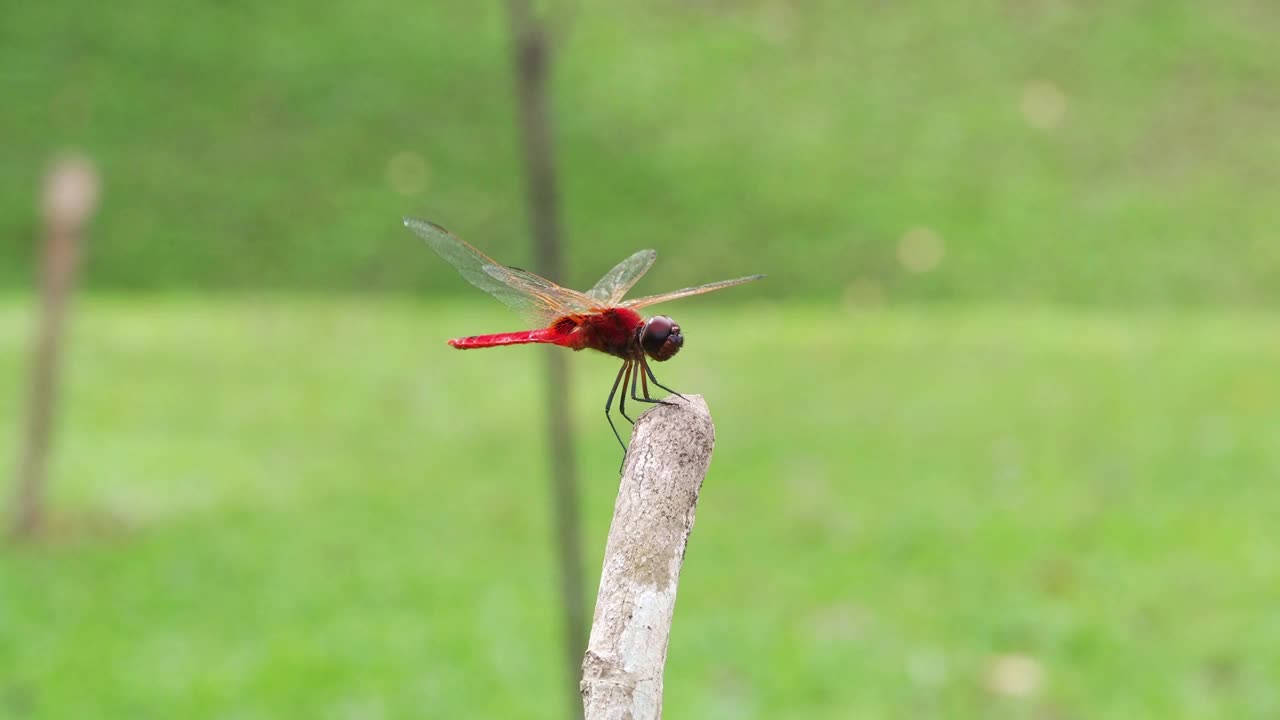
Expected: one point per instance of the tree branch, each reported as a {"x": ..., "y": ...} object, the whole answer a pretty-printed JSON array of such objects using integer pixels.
[{"x": 652, "y": 518}]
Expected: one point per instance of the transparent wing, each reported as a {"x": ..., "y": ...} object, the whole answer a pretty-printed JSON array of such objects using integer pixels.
[
  {"x": 564, "y": 300},
  {"x": 619, "y": 280},
  {"x": 655, "y": 299},
  {"x": 513, "y": 288}
]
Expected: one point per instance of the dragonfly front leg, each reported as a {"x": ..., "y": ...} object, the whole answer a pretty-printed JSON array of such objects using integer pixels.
[{"x": 649, "y": 372}]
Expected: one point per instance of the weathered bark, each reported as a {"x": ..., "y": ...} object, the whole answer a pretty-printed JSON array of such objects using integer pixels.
[{"x": 670, "y": 452}]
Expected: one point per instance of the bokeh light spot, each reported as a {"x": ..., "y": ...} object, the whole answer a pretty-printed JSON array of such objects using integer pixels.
[
  {"x": 1217, "y": 437},
  {"x": 864, "y": 294},
  {"x": 928, "y": 668},
  {"x": 407, "y": 173},
  {"x": 776, "y": 23},
  {"x": 1043, "y": 104},
  {"x": 920, "y": 250},
  {"x": 1015, "y": 675}
]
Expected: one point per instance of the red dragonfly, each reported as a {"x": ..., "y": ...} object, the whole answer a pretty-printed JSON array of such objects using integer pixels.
[{"x": 598, "y": 319}]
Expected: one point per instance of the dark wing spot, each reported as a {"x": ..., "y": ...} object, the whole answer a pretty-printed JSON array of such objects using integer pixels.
[{"x": 565, "y": 325}]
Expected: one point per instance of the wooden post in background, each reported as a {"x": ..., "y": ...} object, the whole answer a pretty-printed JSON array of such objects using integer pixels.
[
  {"x": 670, "y": 452},
  {"x": 532, "y": 57},
  {"x": 69, "y": 200}
]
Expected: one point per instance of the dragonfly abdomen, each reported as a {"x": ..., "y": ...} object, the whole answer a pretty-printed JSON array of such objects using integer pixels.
[{"x": 523, "y": 337}]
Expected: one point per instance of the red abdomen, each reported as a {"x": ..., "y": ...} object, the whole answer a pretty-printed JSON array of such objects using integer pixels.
[{"x": 545, "y": 335}]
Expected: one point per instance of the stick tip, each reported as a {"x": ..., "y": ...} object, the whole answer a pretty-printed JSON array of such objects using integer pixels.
[
  {"x": 71, "y": 189},
  {"x": 679, "y": 428}
]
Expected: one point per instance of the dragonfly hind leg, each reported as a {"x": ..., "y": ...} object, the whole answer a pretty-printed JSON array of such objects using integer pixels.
[
  {"x": 608, "y": 404},
  {"x": 622, "y": 399}
]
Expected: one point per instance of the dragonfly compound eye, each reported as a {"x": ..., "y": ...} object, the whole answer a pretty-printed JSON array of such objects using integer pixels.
[{"x": 661, "y": 338}]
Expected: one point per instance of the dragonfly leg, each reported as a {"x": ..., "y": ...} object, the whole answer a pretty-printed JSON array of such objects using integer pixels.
[
  {"x": 649, "y": 372},
  {"x": 627, "y": 378},
  {"x": 609, "y": 403},
  {"x": 640, "y": 376}
]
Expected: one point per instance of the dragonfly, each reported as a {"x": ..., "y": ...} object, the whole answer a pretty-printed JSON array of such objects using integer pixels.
[{"x": 598, "y": 319}]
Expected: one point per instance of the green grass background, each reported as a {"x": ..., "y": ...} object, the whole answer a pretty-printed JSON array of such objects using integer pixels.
[
  {"x": 284, "y": 508},
  {"x": 251, "y": 145},
  {"x": 278, "y": 494}
]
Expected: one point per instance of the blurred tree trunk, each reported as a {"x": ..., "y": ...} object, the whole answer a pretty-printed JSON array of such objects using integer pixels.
[{"x": 532, "y": 53}]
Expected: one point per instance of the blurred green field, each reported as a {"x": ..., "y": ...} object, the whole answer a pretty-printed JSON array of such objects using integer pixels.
[
  {"x": 1005, "y": 407},
  {"x": 1100, "y": 153},
  {"x": 273, "y": 507}
]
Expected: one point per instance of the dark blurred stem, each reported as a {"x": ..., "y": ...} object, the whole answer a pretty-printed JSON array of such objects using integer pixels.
[
  {"x": 532, "y": 58},
  {"x": 57, "y": 278}
]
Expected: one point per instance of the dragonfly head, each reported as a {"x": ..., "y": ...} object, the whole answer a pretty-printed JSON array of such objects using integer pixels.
[{"x": 660, "y": 338}]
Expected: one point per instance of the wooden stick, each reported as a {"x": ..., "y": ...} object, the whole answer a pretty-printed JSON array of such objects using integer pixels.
[
  {"x": 652, "y": 518},
  {"x": 70, "y": 197}
]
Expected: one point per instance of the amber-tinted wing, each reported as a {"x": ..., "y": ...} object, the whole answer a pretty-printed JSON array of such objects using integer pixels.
[
  {"x": 564, "y": 300},
  {"x": 534, "y": 298},
  {"x": 619, "y": 280},
  {"x": 655, "y": 299}
]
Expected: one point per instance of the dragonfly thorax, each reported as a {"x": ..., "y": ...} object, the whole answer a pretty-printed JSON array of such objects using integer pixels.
[{"x": 660, "y": 338}]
